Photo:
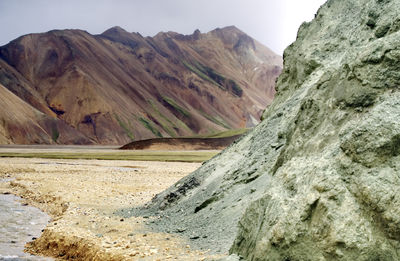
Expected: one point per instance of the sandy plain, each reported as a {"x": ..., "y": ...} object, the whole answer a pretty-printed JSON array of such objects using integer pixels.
[{"x": 82, "y": 196}]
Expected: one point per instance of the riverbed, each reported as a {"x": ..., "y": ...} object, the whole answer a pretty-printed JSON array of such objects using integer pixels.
[
  {"x": 19, "y": 224},
  {"x": 82, "y": 197}
]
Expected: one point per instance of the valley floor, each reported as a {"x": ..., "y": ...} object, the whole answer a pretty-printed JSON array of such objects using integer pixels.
[{"x": 82, "y": 196}]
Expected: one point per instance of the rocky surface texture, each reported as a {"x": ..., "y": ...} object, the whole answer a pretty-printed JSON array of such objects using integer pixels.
[
  {"x": 118, "y": 86},
  {"x": 81, "y": 195},
  {"x": 318, "y": 179}
]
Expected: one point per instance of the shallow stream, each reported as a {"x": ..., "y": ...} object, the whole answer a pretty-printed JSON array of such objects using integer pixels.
[{"x": 19, "y": 224}]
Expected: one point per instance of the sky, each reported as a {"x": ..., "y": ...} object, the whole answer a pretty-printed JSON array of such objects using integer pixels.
[{"x": 274, "y": 23}]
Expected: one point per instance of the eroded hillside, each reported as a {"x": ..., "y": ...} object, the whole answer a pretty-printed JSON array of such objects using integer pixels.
[{"x": 118, "y": 86}]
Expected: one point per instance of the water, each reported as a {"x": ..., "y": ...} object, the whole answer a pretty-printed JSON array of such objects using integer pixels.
[{"x": 18, "y": 225}]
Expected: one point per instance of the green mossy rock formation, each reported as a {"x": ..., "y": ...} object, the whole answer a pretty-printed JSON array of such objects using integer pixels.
[{"x": 319, "y": 178}]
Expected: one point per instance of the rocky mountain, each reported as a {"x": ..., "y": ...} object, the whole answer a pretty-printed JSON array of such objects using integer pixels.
[
  {"x": 118, "y": 86},
  {"x": 318, "y": 178}
]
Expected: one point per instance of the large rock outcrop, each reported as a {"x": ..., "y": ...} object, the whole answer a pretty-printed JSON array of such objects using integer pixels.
[{"x": 319, "y": 178}]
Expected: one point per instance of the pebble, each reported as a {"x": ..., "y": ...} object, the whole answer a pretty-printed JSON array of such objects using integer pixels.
[
  {"x": 134, "y": 253},
  {"x": 180, "y": 230}
]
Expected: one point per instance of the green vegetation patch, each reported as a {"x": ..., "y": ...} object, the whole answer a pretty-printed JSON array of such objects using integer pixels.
[
  {"x": 210, "y": 75},
  {"x": 125, "y": 127},
  {"x": 170, "y": 156},
  {"x": 228, "y": 133},
  {"x": 166, "y": 124},
  {"x": 216, "y": 77},
  {"x": 178, "y": 123},
  {"x": 222, "y": 134},
  {"x": 176, "y": 107},
  {"x": 219, "y": 122},
  {"x": 235, "y": 88},
  {"x": 55, "y": 134},
  {"x": 183, "y": 125},
  {"x": 148, "y": 125},
  {"x": 201, "y": 74}
]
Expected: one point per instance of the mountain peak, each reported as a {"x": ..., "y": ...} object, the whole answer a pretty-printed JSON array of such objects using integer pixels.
[
  {"x": 229, "y": 29},
  {"x": 114, "y": 30},
  {"x": 196, "y": 34},
  {"x": 233, "y": 36}
]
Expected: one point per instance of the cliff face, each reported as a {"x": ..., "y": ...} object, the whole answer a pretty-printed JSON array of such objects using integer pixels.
[
  {"x": 318, "y": 178},
  {"x": 118, "y": 86}
]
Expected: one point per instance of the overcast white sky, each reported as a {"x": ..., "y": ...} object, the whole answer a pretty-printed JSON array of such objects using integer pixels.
[{"x": 272, "y": 22}]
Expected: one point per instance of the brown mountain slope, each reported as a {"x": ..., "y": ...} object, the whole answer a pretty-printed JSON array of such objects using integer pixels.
[
  {"x": 119, "y": 86},
  {"x": 21, "y": 122}
]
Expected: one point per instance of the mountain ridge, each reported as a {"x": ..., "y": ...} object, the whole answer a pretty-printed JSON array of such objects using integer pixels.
[{"x": 117, "y": 86}]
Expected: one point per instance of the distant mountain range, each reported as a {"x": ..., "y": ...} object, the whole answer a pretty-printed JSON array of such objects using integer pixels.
[{"x": 71, "y": 87}]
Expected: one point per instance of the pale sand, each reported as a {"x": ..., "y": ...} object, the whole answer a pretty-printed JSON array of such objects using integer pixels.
[{"x": 81, "y": 196}]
